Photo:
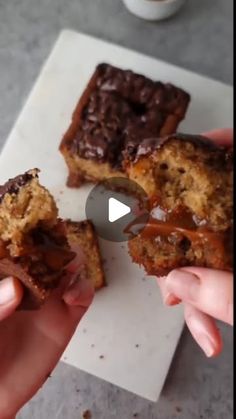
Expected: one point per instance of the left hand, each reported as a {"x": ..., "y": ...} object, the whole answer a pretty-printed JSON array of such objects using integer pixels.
[{"x": 32, "y": 342}]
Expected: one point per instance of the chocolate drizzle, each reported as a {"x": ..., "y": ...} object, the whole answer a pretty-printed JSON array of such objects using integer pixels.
[{"x": 13, "y": 185}]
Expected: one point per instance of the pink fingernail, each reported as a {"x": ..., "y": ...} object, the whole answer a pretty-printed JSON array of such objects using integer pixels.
[
  {"x": 202, "y": 334},
  {"x": 206, "y": 345},
  {"x": 171, "y": 300},
  {"x": 7, "y": 291}
]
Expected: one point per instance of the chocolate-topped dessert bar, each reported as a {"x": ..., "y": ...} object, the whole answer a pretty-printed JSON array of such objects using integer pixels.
[
  {"x": 189, "y": 182},
  {"x": 116, "y": 111},
  {"x": 35, "y": 245}
]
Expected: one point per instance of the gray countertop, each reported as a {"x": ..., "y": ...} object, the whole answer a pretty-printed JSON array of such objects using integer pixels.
[{"x": 198, "y": 38}]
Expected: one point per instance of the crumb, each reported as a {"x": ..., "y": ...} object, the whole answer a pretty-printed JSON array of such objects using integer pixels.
[
  {"x": 178, "y": 409},
  {"x": 49, "y": 375},
  {"x": 137, "y": 345},
  {"x": 84, "y": 330},
  {"x": 104, "y": 261},
  {"x": 92, "y": 346},
  {"x": 61, "y": 192},
  {"x": 122, "y": 246},
  {"x": 65, "y": 358},
  {"x": 101, "y": 357},
  {"x": 144, "y": 279},
  {"x": 113, "y": 258},
  {"x": 135, "y": 415},
  {"x": 77, "y": 390},
  {"x": 87, "y": 414}
]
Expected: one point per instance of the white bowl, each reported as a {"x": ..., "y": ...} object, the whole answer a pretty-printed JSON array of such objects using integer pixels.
[{"x": 153, "y": 9}]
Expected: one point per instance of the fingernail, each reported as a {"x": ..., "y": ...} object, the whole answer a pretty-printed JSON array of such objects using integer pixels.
[
  {"x": 80, "y": 292},
  {"x": 171, "y": 300},
  {"x": 7, "y": 291},
  {"x": 206, "y": 345},
  {"x": 183, "y": 285},
  {"x": 199, "y": 332}
]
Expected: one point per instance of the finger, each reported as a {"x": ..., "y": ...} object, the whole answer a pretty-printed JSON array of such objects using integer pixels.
[
  {"x": 11, "y": 293},
  {"x": 78, "y": 297},
  {"x": 222, "y": 136},
  {"x": 211, "y": 291},
  {"x": 80, "y": 292},
  {"x": 78, "y": 261},
  {"x": 203, "y": 330},
  {"x": 168, "y": 298}
]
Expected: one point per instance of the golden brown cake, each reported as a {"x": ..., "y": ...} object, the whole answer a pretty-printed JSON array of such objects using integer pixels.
[{"x": 189, "y": 182}]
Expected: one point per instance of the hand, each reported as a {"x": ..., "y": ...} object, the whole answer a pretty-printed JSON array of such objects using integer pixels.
[
  {"x": 31, "y": 343},
  {"x": 207, "y": 294}
]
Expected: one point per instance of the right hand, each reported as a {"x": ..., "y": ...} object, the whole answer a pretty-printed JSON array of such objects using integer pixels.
[{"x": 206, "y": 294}]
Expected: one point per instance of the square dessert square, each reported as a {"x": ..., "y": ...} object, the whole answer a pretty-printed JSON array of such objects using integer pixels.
[{"x": 116, "y": 111}]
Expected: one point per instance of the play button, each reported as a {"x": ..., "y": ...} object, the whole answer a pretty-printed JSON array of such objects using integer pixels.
[
  {"x": 115, "y": 205},
  {"x": 117, "y": 210}
]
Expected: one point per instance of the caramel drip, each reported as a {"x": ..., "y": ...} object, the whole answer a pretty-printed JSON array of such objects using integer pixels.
[
  {"x": 156, "y": 228},
  {"x": 179, "y": 222}
]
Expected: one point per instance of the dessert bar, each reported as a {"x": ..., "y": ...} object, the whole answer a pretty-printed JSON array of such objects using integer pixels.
[{"x": 117, "y": 110}]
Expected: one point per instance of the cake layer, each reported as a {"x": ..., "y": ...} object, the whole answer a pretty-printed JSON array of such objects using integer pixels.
[{"x": 189, "y": 182}]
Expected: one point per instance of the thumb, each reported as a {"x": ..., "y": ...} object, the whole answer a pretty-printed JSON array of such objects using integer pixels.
[
  {"x": 11, "y": 293},
  {"x": 208, "y": 290}
]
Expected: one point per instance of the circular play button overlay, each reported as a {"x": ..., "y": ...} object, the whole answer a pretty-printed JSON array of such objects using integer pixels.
[{"x": 118, "y": 208}]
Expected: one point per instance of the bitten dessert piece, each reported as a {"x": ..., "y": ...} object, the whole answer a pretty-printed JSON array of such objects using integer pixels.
[
  {"x": 117, "y": 109},
  {"x": 24, "y": 205},
  {"x": 34, "y": 246},
  {"x": 82, "y": 235},
  {"x": 189, "y": 181}
]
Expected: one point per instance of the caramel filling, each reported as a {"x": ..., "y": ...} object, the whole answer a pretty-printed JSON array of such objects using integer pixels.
[
  {"x": 42, "y": 253},
  {"x": 178, "y": 223}
]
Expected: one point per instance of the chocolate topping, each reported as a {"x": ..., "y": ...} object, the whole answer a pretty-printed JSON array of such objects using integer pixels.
[
  {"x": 14, "y": 185},
  {"x": 149, "y": 145},
  {"x": 140, "y": 90},
  {"x": 122, "y": 109}
]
